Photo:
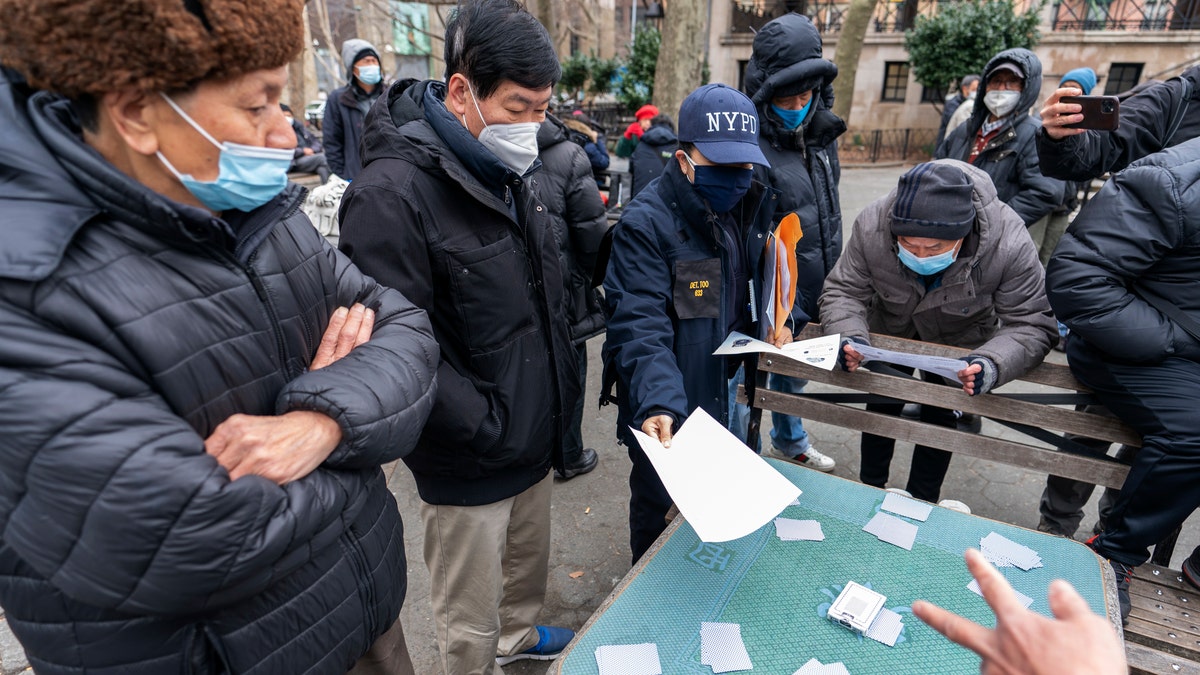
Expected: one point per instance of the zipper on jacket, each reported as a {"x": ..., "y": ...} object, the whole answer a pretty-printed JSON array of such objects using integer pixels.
[
  {"x": 264, "y": 296},
  {"x": 358, "y": 562}
]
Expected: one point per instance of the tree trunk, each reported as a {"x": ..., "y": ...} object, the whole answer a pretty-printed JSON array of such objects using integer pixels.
[
  {"x": 849, "y": 47},
  {"x": 681, "y": 56},
  {"x": 302, "y": 75}
]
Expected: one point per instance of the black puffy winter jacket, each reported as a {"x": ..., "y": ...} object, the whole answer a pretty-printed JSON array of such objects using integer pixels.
[
  {"x": 804, "y": 161},
  {"x": 1010, "y": 158},
  {"x": 565, "y": 186},
  {"x": 1135, "y": 247},
  {"x": 130, "y": 327},
  {"x": 481, "y": 258}
]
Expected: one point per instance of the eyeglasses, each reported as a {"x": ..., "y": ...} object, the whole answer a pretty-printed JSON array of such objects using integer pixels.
[{"x": 1005, "y": 83}]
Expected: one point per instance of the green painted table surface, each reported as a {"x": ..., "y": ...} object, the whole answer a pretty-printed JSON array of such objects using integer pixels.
[{"x": 778, "y": 591}]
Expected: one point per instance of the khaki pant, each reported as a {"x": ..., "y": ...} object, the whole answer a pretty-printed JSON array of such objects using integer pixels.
[
  {"x": 387, "y": 656},
  {"x": 487, "y": 571}
]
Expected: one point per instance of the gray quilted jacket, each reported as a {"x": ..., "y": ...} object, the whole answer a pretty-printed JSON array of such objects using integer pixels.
[{"x": 992, "y": 299}]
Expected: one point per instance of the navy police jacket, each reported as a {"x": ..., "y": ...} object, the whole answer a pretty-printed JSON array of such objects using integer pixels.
[{"x": 669, "y": 274}]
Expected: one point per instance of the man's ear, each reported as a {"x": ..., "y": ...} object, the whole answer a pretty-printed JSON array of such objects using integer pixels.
[
  {"x": 684, "y": 166},
  {"x": 134, "y": 115},
  {"x": 456, "y": 95}
]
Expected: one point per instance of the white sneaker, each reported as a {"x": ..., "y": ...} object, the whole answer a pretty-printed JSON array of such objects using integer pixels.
[
  {"x": 809, "y": 458},
  {"x": 954, "y": 505},
  {"x": 901, "y": 492}
]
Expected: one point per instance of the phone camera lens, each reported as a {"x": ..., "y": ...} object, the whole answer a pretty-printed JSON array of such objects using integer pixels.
[{"x": 1106, "y": 107}]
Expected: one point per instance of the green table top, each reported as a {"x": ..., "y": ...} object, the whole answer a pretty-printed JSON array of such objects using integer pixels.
[{"x": 778, "y": 591}]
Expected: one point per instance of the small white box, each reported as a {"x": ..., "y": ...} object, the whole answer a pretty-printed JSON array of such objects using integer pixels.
[{"x": 856, "y": 607}]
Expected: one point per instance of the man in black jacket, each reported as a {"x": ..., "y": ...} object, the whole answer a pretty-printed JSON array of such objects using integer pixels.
[
  {"x": 196, "y": 401},
  {"x": 965, "y": 91},
  {"x": 1162, "y": 115},
  {"x": 791, "y": 84},
  {"x": 653, "y": 153},
  {"x": 1123, "y": 279},
  {"x": 309, "y": 155},
  {"x": 999, "y": 136},
  {"x": 346, "y": 107},
  {"x": 442, "y": 211}
]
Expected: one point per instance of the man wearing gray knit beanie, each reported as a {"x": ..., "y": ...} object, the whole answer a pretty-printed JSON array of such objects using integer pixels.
[{"x": 941, "y": 259}]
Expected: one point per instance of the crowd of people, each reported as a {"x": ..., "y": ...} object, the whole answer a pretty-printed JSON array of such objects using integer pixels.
[{"x": 200, "y": 391}]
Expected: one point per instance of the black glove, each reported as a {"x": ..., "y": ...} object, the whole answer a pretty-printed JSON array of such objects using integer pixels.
[
  {"x": 985, "y": 379},
  {"x": 841, "y": 355}
]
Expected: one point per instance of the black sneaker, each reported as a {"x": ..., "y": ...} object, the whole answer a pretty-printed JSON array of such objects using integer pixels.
[
  {"x": 588, "y": 459},
  {"x": 1191, "y": 568},
  {"x": 968, "y": 422},
  {"x": 1124, "y": 574}
]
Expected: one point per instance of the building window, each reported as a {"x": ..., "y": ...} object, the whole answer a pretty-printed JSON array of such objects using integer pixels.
[
  {"x": 742, "y": 74},
  {"x": 1122, "y": 77},
  {"x": 931, "y": 95},
  {"x": 895, "y": 81}
]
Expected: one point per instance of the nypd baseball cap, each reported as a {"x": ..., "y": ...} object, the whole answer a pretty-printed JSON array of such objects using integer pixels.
[{"x": 723, "y": 125}]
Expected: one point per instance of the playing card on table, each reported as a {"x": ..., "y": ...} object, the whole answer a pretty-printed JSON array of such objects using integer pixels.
[
  {"x": 788, "y": 529},
  {"x": 1026, "y": 601},
  {"x": 1003, "y": 552},
  {"x": 639, "y": 659},
  {"x": 722, "y": 648},
  {"x": 892, "y": 530},
  {"x": 885, "y": 628},
  {"x": 909, "y": 508},
  {"x": 815, "y": 667}
]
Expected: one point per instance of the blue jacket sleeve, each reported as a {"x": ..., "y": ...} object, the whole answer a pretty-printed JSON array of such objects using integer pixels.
[{"x": 641, "y": 333}]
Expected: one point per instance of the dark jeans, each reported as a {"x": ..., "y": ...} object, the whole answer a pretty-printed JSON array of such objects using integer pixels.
[
  {"x": 649, "y": 501},
  {"x": 573, "y": 434},
  {"x": 1064, "y": 498},
  {"x": 929, "y": 465},
  {"x": 312, "y": 164},
  {"x": 1163, "y": 486}
]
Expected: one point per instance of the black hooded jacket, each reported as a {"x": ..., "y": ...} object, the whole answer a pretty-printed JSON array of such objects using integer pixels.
[
  {"x": 1010, "y": 158},
  {"x": 653, "y": 152},
  {"x": 804, "y": 161},
  {"x": 566, "y": 186},
  {"x": 130, "y": 327},
  {"x": 480, "y": 255}
]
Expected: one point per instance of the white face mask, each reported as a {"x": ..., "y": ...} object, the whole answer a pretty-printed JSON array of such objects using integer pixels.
[
  {"x": 1001, "y": 103},
  {"x": 514, "y": 144}
]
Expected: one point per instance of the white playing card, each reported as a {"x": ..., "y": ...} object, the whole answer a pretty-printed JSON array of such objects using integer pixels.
[
  {"x": 788, "y": 529},
  {"x": 815, "y": 667},
  {"x": 886, "y": 627},
  {"x": 640, "y": 659},
  {"x": 1004, "y": 552},
  {"x": 722, "y": 648},
  {"x": 892, "y": 530},
  {"x": 1026, "y": 601},
  {"x": 909, "y": 508}
]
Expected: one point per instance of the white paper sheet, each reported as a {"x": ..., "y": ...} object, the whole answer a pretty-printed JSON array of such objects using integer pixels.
[
  {"x": 909, "y": 508},
  {"x": 938, "y": 365},
  {"x": 640, "y": 659},
  {"x": 1025, "y": 600},
  {"x": 819, "y": 352},
  {"x": 721, "y": 487}
]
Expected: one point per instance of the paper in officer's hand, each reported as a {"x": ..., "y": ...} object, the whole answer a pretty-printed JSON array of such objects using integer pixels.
[
  {"x": 819, "y": 352},
  {"x": 723, "y": 489}
]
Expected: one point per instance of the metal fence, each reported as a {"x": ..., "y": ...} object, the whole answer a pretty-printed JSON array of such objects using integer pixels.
[{"x": 886, "y": 145}]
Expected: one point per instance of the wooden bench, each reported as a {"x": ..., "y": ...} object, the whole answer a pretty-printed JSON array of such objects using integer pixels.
[{"x": 1164, "y": 626}]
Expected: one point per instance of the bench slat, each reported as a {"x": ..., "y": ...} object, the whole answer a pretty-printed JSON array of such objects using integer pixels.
[
  {"x": 1145, "y": 661},
  {"x": 1099, "y": 471},
  {"x": 1025, "y": 412}
]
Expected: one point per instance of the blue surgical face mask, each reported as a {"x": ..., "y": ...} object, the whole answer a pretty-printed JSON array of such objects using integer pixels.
[
  {"x": 248, "y": 177},
  {"x": 793, "y": 118},
  {"x": 926, "y": 266},
  {"x": 369, "y": 74},
  {"x": 721, "y": 186}
]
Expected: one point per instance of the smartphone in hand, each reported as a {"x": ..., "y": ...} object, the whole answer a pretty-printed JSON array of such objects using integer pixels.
[{"x": 1099, "y": 112}]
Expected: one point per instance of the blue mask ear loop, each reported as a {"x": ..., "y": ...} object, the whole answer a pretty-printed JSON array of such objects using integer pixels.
[{"x": 192, "y": 123}]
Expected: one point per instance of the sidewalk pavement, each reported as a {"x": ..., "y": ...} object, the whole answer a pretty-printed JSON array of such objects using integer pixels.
[{"x": 589, "y": 531}]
